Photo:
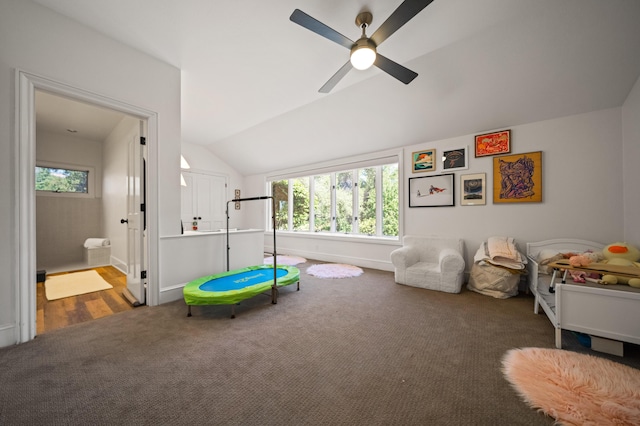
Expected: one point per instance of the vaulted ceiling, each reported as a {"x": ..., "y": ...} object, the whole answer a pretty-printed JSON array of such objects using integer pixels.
[{"x": 250, "y": 76}]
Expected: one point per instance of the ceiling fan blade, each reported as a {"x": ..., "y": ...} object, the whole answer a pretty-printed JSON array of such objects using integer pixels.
[
  {"x": 301, "y": 18},
  {"x": 403, "y": 14},
  {"x": 336, "y": 78},
  {"x": 394, "y": 69}
]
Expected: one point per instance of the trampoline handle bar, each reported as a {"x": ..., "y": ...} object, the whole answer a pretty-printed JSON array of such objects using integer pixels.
[
  {"x": 250, "y": 199},
  {"x": 274, "y": 288}
]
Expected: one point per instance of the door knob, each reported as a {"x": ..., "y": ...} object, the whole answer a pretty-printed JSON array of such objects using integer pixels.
[{"x": 124, "y": 220}]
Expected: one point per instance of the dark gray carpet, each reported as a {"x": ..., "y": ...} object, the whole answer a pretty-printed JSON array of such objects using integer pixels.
[{"x": 358, "y": 351}]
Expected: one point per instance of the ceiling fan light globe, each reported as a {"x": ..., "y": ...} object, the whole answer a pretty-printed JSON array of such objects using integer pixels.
[
  {"x": 363, "y": 58},
  {"x": 363, "y": 54}
]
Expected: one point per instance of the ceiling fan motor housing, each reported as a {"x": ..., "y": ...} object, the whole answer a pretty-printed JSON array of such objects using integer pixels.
[
  {"x": 364, "y": 18},
  {"x": 362, "y": 43}
]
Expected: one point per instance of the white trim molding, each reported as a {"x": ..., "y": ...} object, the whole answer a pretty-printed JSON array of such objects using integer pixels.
[{"x": 24, "y": 193}]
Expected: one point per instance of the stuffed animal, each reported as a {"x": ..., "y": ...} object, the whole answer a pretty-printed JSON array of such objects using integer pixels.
[
  {"x": 621, "y": 254},
  {"x": 585, "y": 259}
]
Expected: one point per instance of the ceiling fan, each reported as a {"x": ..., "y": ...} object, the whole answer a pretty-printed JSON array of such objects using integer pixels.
[{"x": 363, "y": 51}]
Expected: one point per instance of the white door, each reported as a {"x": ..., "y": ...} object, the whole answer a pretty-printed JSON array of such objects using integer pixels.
[
  {"x": 136, "y": 219},
  {"x": 204, "y": 198}
]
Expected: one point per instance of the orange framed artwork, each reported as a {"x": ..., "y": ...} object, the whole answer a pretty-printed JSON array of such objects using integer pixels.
[
  {"x": 517, "y": 178},
  {"x": 424, "y": 161},
  {"x": 493, "y": 143}
]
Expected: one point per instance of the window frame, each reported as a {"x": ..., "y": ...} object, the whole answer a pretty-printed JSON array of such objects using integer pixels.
[
  {"x": 378, "y": 161},
  {"x": 73, "y": 167}
]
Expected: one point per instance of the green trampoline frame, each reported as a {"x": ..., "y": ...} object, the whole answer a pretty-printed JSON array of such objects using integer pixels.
[{"x": 194, "y": 296}]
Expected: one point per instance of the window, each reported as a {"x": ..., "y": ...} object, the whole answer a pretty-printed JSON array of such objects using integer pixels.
[
  {"x": 64, "y": 180},
  {"x": 361, "y": 201},
  {"x": 280, "y": 192},
  {"x": 322, "y": 203}
]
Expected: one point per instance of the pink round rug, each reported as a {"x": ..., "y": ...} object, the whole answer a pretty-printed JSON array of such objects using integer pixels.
[
  {"x": 574, "y": 388},
  {"x": 334, "y": 270},
  {"x": 285, "y": 260}
]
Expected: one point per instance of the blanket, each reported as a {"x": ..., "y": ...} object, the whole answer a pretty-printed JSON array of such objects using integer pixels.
[{"x": 500, "y": 251}]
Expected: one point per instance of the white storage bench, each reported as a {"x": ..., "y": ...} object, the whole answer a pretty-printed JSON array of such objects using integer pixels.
[{"x": 97, "y": 251}]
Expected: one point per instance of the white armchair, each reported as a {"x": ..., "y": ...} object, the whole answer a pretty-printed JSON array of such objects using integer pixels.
[{"x": 431, "y": 262}]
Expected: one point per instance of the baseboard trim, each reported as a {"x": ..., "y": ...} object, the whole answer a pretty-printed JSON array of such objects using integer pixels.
[
  {"x": 119, "y": 265},
  {"x": 171, "y": 294},
  {"x": 7, "y": 335},
  {"x": 328, "y": 257}
]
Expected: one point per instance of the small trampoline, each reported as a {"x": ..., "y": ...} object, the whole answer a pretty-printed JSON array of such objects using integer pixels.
[{"x": 232, "y": 287}]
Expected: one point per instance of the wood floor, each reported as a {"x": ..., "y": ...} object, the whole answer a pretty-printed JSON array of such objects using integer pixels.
[{"x": 54, "y": 314}]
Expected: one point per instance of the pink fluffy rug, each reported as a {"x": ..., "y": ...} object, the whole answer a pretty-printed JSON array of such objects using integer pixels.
[
  {"x": 285, "y": 260},
  {"x": 573, "y": 388},
  {"x": 334, "y": 270}
]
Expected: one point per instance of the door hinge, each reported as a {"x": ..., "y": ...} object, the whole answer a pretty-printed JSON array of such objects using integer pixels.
[
  {"x": 143, "y": 207},
  {"x": 143, "y": 275},
  {"x": 143, "y": 140}
]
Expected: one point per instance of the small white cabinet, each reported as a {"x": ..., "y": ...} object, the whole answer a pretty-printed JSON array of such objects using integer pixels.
[{"x": 203, "y": 201}]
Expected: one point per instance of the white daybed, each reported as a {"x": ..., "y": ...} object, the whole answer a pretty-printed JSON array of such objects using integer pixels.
[{"x": 608, "y": 311}]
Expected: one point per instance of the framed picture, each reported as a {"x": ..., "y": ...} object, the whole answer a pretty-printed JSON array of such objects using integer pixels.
[
  {"x": 455, "y": 159},
  {"x": 493, "y": 143},
  {"x": 473, "y": 189},
  {"x": 517, "y": 178},
  {"x": 431, "y": 191},
  {"x": 424, "y": 161}
]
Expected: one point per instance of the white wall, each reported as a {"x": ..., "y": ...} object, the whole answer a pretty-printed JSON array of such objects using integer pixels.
[
  {"x": 630, "y": 169},
  {"x": 581, "y": 186},
  {"x": 114, "y": 189},
  {"x": 39, "y": 41},
  {"x": 582, "y": 194},
  {"x": 64, "y": 223}
]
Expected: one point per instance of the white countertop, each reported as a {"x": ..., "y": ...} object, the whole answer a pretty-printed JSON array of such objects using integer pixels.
[{"x": 189, "y": 233}]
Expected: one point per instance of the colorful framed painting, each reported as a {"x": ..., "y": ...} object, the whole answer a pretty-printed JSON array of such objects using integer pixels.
[
  {"x": 431, "y": 191},
  {"x": 423, "y": 161},
  {"x": 455, "y": 159},
  {"x": 517, "y": 178},
  {"x": 495, "y": 143},
  {"x": 473, "y": 189}
]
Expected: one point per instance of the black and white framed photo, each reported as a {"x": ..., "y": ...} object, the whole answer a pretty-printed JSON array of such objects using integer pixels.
[
  {"x": 455, "y": 159},
  {"x": 432, "y": 191}
]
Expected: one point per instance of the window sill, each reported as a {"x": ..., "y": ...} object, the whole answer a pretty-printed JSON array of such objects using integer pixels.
[{"x": 354, "y": 238}]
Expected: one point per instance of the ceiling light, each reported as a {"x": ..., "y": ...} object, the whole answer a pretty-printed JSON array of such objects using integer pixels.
[{"x": 363, "y": 54}]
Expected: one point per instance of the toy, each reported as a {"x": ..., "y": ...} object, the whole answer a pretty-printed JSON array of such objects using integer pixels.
[
  {"x": 582, "y": 277},
  {"x": 621, "y": 254},
  {"x": 584, "y": 259}
]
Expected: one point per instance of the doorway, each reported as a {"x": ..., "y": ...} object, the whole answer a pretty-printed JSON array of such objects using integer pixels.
[
  {"x": 81, "y": 198},
  {"x": 27, "y": 85}
]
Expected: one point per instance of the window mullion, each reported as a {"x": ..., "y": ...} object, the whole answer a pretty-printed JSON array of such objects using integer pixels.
[
  {"x": 355, "y": 210},
  {"x": 312, "y": 214},
  {"x": 290, "y": 205},
  {"x": 334, "y": 210},
  {"x": 379, "y": 203}
]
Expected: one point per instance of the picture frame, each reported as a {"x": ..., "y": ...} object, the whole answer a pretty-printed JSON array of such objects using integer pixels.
[
  {"x": 423, "y": 161},
  {"x": 455, "y": 159},
  {"x": 517, "y": 178},
  {"x": 473, "y": 189},
  {"x": 495, "y": 143},
  {"x": 432, "y": 191}
]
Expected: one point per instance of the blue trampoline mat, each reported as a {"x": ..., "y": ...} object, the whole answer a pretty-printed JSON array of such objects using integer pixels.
[{"x": 241, "y": 280}]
